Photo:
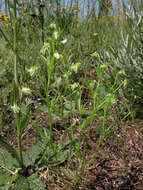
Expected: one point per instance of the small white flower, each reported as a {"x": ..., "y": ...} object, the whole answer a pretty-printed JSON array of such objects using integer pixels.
[
  {"x": 15, "y": 108},
  {"x": 55, "y": 35},
  {"x": 26, "y": 90},
  {"x": 57, "y": 55},
  {"x": 64, "y": 41}
]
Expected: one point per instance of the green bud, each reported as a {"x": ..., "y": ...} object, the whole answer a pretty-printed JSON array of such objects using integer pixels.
[
  {"x": 26, "y": 90},
  {"x": 74, "y": 85},
  {"x": 95, "y": 54},
  {"x": 122, "y": 73},
  {"x": 75, "y": 67}
]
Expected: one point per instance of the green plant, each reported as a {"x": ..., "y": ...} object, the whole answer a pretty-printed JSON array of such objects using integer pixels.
[
  {"x": 10, "y": 176},
  {"x": 75, "y": 93},
  {"x": 128, "y": 56},
  {"x": 14, "y": 159},
  {"x": 64, "y": 98},
  {"x": 103, "y": 97},
  {"x": 17, "y": 155}
]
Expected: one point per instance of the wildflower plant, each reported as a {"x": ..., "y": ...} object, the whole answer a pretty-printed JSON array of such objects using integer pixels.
[
  {"x": 50, "y": 58},
  {"x": 15, "y": 163},
  {"x": 62, "y": 93},
  {"x": 73, "y": 85}
]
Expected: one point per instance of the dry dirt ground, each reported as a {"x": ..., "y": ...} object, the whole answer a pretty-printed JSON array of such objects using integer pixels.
[{"x": 118, "y": 164}]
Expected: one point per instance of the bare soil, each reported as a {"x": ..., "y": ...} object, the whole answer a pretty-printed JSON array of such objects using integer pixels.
[{"x": 118, "y": 164}]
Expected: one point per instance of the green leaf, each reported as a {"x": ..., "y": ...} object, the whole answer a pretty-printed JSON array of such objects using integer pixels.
[
  {"x": 5, "y": 187},
  {"x": 5, "y": 179},
  {"x": 7, "y": 170},
  {"x": 24, "y": 120},
  {"x": 7, "y": 161},
  {"x": 70, "y": 106},
  {"x": 44, "y": 108},
  {"x": 75, "y": 67},
  {"x": 22, "y": 184},
  {"x": 33, "y": 153},
  {"x": 58, "y": 158},
  {"x": 63, "y": 153},
  {"x": 9, "y": 148},
  {"x": 36, "y": 183}
]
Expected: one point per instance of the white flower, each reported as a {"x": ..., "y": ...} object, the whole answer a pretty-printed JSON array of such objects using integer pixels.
[
  {"x": 57, "y": 55},
  {"x": 55, "y": 35},
  {"x": 26, "y": 90},
  {"x": 15, "y": 108},
  {"x": 64, "y": 41}
]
